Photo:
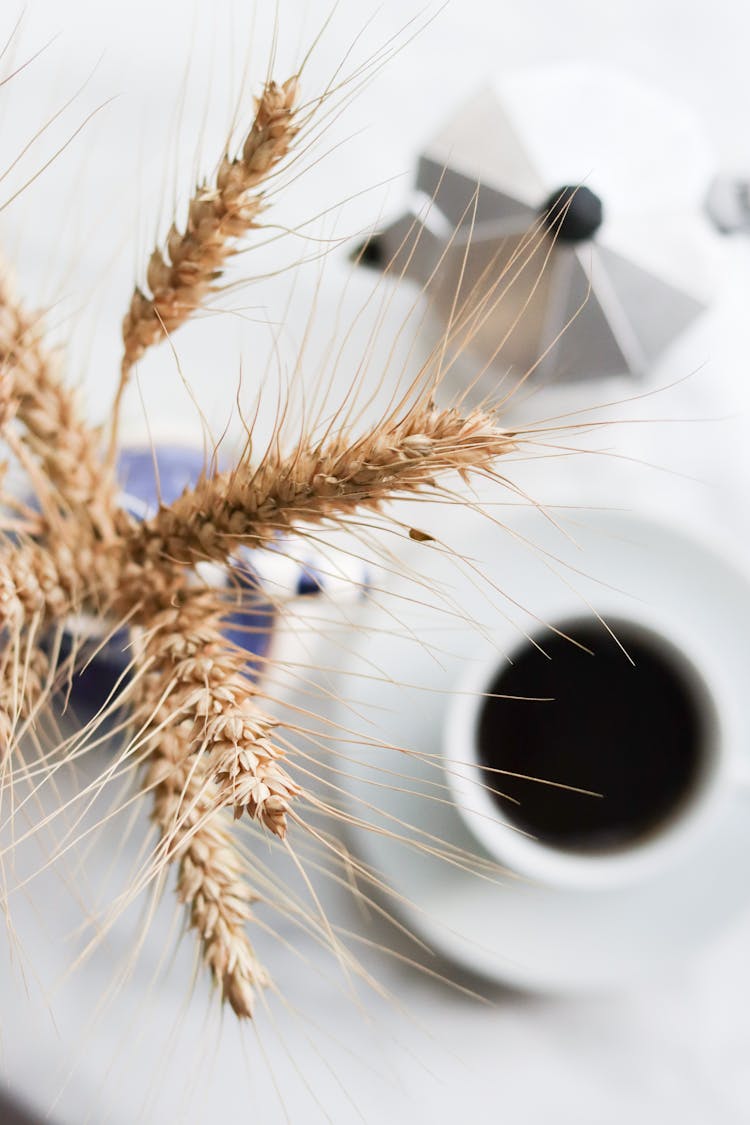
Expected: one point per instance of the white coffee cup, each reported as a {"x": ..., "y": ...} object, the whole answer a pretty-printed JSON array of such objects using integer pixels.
[{"x": 721, "y": 766}]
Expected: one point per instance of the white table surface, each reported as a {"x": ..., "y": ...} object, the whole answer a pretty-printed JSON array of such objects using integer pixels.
[{"x": 673, "y": 1054}]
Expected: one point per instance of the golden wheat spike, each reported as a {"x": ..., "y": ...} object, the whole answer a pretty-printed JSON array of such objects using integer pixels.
[
  {"x": 212, "y": 699},
  {"x": 38, "y": 583},
  {"x": 24, "y": 671},
  {"x": 195, "y": 700},
  {"x": 54, "y": 427},
  {"x": 195, "y": 833},
  {"x": 319, "y": 482},
  {"x": 181, "y": 275}
]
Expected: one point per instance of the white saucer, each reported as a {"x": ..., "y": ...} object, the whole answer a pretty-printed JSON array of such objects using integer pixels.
[{"x": 396, "y": 674}]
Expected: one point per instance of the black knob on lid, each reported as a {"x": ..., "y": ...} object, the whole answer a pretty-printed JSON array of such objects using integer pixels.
[
  {"x": 370, "y": 253},
  {"x": 573, "y": 213}
]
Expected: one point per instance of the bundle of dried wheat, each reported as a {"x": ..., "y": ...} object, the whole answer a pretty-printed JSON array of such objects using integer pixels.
[{"x": 208, "y": 750}]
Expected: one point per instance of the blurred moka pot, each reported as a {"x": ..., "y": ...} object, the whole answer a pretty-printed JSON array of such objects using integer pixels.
[{"x": 570, "y": 203}]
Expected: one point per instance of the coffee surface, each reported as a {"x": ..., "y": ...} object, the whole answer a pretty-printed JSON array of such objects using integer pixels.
[{"x": 634, "y": 733}]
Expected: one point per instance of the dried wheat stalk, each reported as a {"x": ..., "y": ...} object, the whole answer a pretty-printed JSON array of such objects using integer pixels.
[
  {"x": 210, "y": 749},
  {"x": 23, "y": 679},
  {"x": 39, "y": 583},
  {"x": 55, "y": 428},
  {"x": 8, "y": 404},
  {"x": 180, "y": 277},
  {"x": 321, "y": 482},
  {"x": 210, "y": 877},
  {"x": 212, "y": 698}
]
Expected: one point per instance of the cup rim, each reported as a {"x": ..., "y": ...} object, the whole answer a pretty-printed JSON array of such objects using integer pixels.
[{"x": 516, "y": 849}]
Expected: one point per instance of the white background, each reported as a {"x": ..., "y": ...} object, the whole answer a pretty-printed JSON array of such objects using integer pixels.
[{"x": 677, "y": 1053}]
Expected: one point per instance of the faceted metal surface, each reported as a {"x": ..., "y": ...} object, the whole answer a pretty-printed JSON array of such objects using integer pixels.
[{"x": 474, "y": 235}]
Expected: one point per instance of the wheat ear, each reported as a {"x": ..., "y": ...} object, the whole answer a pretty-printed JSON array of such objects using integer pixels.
[
  {"x": 213, "y": 699},
  {"x": 181, "y": 275},
  {"x": 38, "y": 583},
  {"x": 55, "y": 429},
  {"x": 23, "y": 678},
  {"x": 191, "y": 695},
  {"x": 320, "y": 482},
  {"x": 210, "y": 877}
]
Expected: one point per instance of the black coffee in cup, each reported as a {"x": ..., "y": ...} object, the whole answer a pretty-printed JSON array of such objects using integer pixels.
[{"x": 638, "y": 734}]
